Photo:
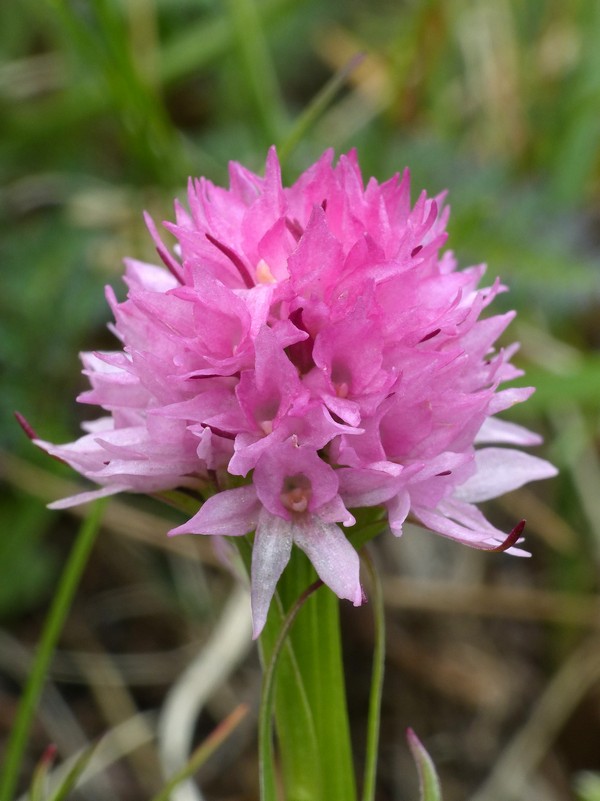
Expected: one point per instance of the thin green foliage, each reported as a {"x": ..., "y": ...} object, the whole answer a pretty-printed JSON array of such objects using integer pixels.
[
  {"x": 263, "y": 90},
  {"x": 311, "y": 113},
  {"x": 374, "y": 717},
  {"x": 206, "y": 41},
  {"x": 577, "y": 143},
  {"x": 102, "y": 35},
  {"x": 27, "y": 567},
  {"x": 37, "y": 789},
  {"x": 578, "y": 384},
  {"x": 70, "y": 781},
  {"x": 430, "y": 789},
  {"x": 179, "y": 500},
  {"x": 57, "y": 615}
]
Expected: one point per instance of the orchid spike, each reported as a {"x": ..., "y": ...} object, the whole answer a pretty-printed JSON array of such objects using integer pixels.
[{"x": 308, "y": 350}]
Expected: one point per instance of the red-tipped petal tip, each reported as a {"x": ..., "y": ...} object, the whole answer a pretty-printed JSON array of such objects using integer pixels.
[
  {"x": 511, "y": 539},
  {"x": 26, "y": 426}
]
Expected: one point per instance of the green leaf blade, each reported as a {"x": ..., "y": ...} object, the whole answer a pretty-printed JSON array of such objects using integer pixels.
[{"x": 428, "y": 778}]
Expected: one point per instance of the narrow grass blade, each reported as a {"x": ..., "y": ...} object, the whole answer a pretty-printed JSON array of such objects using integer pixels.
[
  {"x": 317, "y": 106},
  {"x": 59, "y": 610},
  {"x": 259, "y": 71},
  {"x": 374, "y": 717},
  {"x": 73, "y": 775},
  {"x": 37, "y": 790}
]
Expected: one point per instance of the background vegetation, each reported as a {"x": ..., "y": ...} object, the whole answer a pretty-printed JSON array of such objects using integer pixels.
[{"x": 107, "y": 106}]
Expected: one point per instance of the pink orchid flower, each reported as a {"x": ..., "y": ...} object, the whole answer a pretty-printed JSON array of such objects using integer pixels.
[{"x": 315, "y": 342}]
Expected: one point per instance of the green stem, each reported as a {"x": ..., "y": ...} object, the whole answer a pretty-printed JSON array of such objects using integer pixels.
[
  {"x": 316, "y": 755},
  {"x": 53, "y": 627},
  {"x": 374, "y": 718},
  {"x": 265, "y": 742}
]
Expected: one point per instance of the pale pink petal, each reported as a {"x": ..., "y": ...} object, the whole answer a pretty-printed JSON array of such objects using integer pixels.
[
  {"x": 508, "y": 397},
  {"x": 502, "y": 432},
  {"x": 398, "y": 510},
  {"x": 270, "y": 554},
  {"x": 334, "y": 511},
  {"x": 500, "y": 470},
  {"x": 467, "y": 526},
  {"x": 140, "y": 275},
  {"x": 333, "y": 557},
  {"x": 367, "y": 487},
  {"x": 86, "y": 497},
  {"x": 231, "y": 513}
]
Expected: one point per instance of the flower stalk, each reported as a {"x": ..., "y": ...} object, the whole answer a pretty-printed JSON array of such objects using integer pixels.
[{"x": 306, "y": 694}]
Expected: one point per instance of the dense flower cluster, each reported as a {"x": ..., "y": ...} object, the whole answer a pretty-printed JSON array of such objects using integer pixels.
[{"x": 307, "y": 351}]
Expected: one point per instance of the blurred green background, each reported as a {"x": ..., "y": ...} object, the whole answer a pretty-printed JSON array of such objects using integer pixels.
[{"x": 106, "y": 108}]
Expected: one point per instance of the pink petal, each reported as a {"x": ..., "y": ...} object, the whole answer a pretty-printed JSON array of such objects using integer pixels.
[{"x": 367, "y": 487}]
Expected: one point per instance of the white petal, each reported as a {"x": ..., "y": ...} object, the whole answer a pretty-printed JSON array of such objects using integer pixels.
[
  {"x": 270, "y": 554},
  {"x": 333, "y": 557},
  {"x": 501, "y": 470}
]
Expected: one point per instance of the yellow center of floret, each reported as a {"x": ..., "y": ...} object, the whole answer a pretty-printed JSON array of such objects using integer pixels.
[{"x": 264, "y": 274}]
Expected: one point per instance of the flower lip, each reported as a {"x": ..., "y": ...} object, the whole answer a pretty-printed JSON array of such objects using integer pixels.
[
  {"x": 291, "y": 480},
  {"x": 341, "y": 378},
  {"x": 296, "y": 493}
]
